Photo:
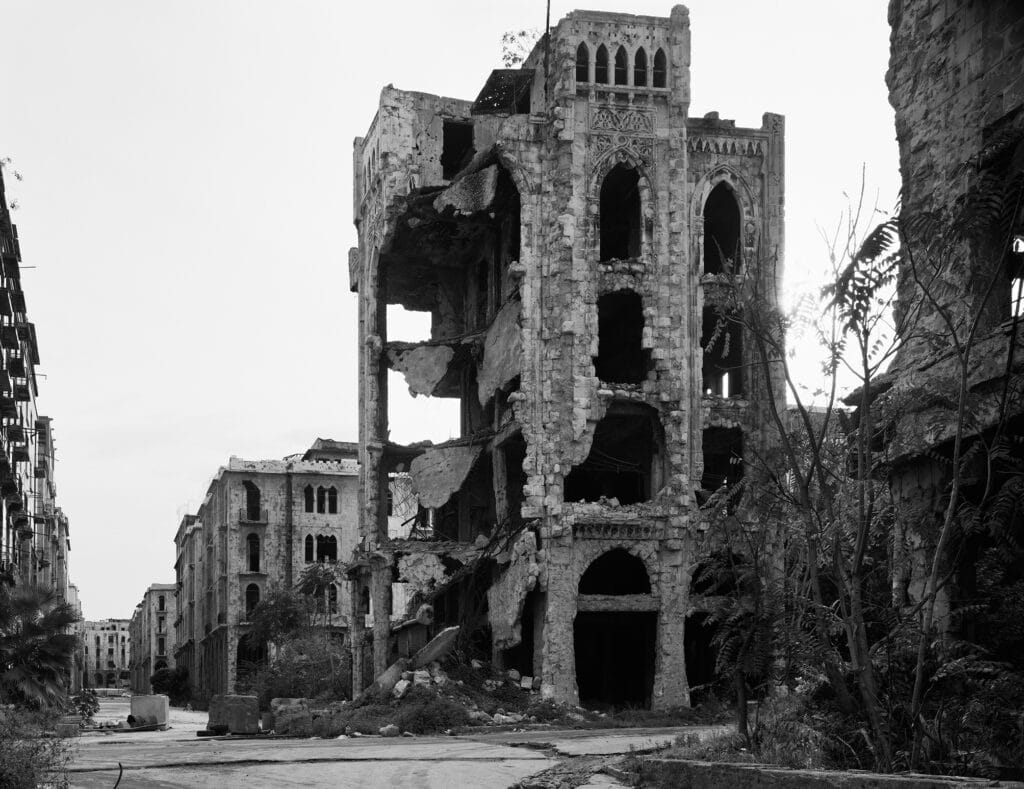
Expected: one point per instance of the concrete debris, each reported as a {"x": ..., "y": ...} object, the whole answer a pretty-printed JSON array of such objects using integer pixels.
[
  {"x": 503, "y": 352},
  {"x": 471, "y": 194},
  {"x": 422, "y": 572},
  {"x": 526, "y": 683},
  {"x": 513, "y": 675},
  {"x": 401, "y": 688},
  {"x": 291, "y": 716},
  {"x": 435, "y": 649},
  {"x": 391, "y": 730},
  {"x": 440, "y": 472},
  {"x": 505, "y": 597},
  {"x": 421, "y": 677},
  {"x": 423, "y": 366}
]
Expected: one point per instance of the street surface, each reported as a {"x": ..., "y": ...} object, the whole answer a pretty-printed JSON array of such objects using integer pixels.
[{"x": 177, "y": 758}]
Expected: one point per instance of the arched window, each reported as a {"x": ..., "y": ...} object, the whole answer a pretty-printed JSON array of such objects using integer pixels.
[
  {"x": 601, "y": 65},
  {"x": 615, "y": 572},
  {"x": 252, "y": 599},
  {"x": 721, "y": 232},
  {"x": 309, "y": 547},
  {"x": 321, "y": 499},
  {"x": 160, "y": 603},
  {"x": 252, "y": 551},
  {"x": 621, "y": 66},
  {"x": 660, "y": 69},
  {"x": 620, "y": 214},
  {"x": 332, "y": 598},
  {"x": 326, "y": 548},
  {"x": 582, "y": 63},
  {"x": 252, "y": 501},
  {"x": 640, "y": 68},
  {"x": 332, "y": 499},
  {"x": 309, "y": 498}
]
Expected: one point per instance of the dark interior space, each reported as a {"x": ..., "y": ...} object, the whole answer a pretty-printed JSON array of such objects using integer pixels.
[
  {"x": 623, "y": 458},
  {"x": 615, "y": 658},
  {"x": 721, "y": 232},
  {"x": 515, "y": 478},
  {"x": 620, "y": 214},
  {"x": 700, "y": 656},
  {"x": 723, "y": 453},
  {"x": 250, "y": 656},
  {"x": 470, "y": 511},
  {"x": 615, "y": 572},
  {"x": 660, "y": 69},
  {"x": 620, "y": 329},
  {"x": 621, "y": 66},
  {"x": 722, "y": 342},
  {"x": 640, "y": 68},
  {"x": 456, "y": 147},
  {"x": 520, "y": 657}
]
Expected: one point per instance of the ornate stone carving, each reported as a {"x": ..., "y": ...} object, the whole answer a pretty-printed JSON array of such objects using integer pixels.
[
  {"x": 725, "y": 145},
  {"x": 618, "y": 531},
  {"x": 641, "y": 147},
  {"x": 622, "y": 119}
]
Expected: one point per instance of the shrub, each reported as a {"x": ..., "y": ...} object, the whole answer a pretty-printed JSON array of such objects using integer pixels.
[
  {"x": 86, "y": 704},
  {"x": 424, "y": 712},
  {"x": 27, "y": 758},
  {"x": 173, "y": 682}
]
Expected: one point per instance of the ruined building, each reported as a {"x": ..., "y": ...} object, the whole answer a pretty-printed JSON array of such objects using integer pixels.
[
  {"x": 572, "y": 234},
  {"x": 34, "y": 536},
  {"x": 151, "y": 634},
  {"x": 956, "y": 82},
  {"x": 261, "y": 524}
]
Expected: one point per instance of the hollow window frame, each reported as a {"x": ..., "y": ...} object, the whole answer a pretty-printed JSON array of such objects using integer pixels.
[{"x": 583, "y": 64}]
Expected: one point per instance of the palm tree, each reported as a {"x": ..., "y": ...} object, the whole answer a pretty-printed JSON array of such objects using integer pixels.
[{"x": 36, "y": 651}]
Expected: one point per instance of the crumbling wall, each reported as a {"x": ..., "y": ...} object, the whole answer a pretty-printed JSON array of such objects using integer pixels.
[{"x": 506, "y": 596}]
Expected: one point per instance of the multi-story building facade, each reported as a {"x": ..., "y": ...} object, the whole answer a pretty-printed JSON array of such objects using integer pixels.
[
  {"x": 151, "y": 632},
  {"x": 105, "y": 653},
  {"x": 575, "y": 238},
  {"x": 260, "y": 525}
]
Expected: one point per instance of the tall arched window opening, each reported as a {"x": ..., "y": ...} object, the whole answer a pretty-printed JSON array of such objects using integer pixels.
[
  {"x": 252, "y": 546},
  {"x": 722, "y": 343},
  {"x": 308, "y": 491},
  {"x": 332, "y": 598},
  {"x": 601, "y": 65},
  {"x": 722, "y": 449},
  {"x": 160, "y": 603},
  {"x": 660, "y": 70},
  {"x": 621, "y": 66},
  {"x": 582, "y": 63},
  {"x": 640, "y": 68},
  {"x": 332, "y": 499},
  {"x": 620, "y": 214},
  {"x": 326, "y": 548},
  {"x": 252, "y": 599},
  {"x": 321, "y": 499},
  {"x": 721, "y": 232},
  {"x": 309, "y": 548},
  {"x": 252, "y": 501}
]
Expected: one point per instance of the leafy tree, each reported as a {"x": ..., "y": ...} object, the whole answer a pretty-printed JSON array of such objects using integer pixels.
[
  {"x": 172, "y": 682},
  {"x": 36, "y": 649}
]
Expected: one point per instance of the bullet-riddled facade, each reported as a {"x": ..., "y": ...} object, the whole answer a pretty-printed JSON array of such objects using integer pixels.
[{"x": 573, "y": 235}]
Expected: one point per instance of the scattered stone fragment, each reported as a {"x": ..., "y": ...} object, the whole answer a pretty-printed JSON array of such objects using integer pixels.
[
  {"x": 477, "y": 664},
  {"x": 421, "y": 677},
  {"x": 401, "y": 688},
  {"x": 514, "y": 675},
  {"x": 526, "y": 683},
  {"x": 391, "y": 730}
]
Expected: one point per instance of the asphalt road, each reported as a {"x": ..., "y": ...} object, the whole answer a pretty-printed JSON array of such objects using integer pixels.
[{"x": 177, "y": 758}]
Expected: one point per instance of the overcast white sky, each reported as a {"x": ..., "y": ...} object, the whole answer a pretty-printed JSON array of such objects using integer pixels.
[{"x": 186, "y": 204}]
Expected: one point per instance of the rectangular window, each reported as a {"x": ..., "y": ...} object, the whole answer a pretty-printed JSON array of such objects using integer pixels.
[{"x": 160, "y": 644}]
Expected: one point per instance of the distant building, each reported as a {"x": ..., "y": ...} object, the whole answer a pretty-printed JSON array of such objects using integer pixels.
[
  {"x": 152, "y": 634},
  {"x": 105, "y": 653},
  {"x": 262, "y": 522}
]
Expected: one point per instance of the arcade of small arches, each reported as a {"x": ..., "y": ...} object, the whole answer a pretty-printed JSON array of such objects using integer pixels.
[
  {"x": 621, "y": 69},
  {"x": 321, "y": 499},
  {"x": 321, "y": 548}
]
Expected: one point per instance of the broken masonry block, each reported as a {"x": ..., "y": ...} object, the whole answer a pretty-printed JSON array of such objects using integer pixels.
[
  {"x": 401, "y": 688},
  {"x": 157, "y": 706},
  {"x": 240, "y": 714},
  {"x": 391, "y": 730}
]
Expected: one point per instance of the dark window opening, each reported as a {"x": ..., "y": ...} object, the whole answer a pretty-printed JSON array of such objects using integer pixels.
[
  {"x": 660, "y": 69},
  {"x": 620, "y": 330},
  {"x": 640, "y": 68},
  {"x": 601, "y": 65},
  {"x": 470, "y": 512},
  {"x": 723, "y": 460},
  {"x": 582, "y": 63},
  {"x": 615, "y": 572},
  {"x": 521, "y": 656},
  {"x": 332, "y": 500},
  {"x": 480, "y": 292},
  {"x": 721, "y": 232},
  {"x": 364, "y": 602},
  {"x": 252, "y": 543},
  {"x": 160, "y": 603},
  {"x": 621, "y": 66},
  {"x": 308, "y": 492},
  {"x": 252, "y": 599},
  {"x": 620, "y": 214},
  {"x": 250, "y": 655},
  {"x": 722, "y": 342},
  {"x": 390, "y": 502},
  {"x": 332, "y": 598},
  {"x": 624, "y": 461},
  {"x": 457, "y": 147},
  {"x": 161, "y": 647},
  {"x": 252, "y": 501},
  {"x": 321, "y": 499},
  {"x": 309, "y": 547},
  {"x": 326, "y": 548}
]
